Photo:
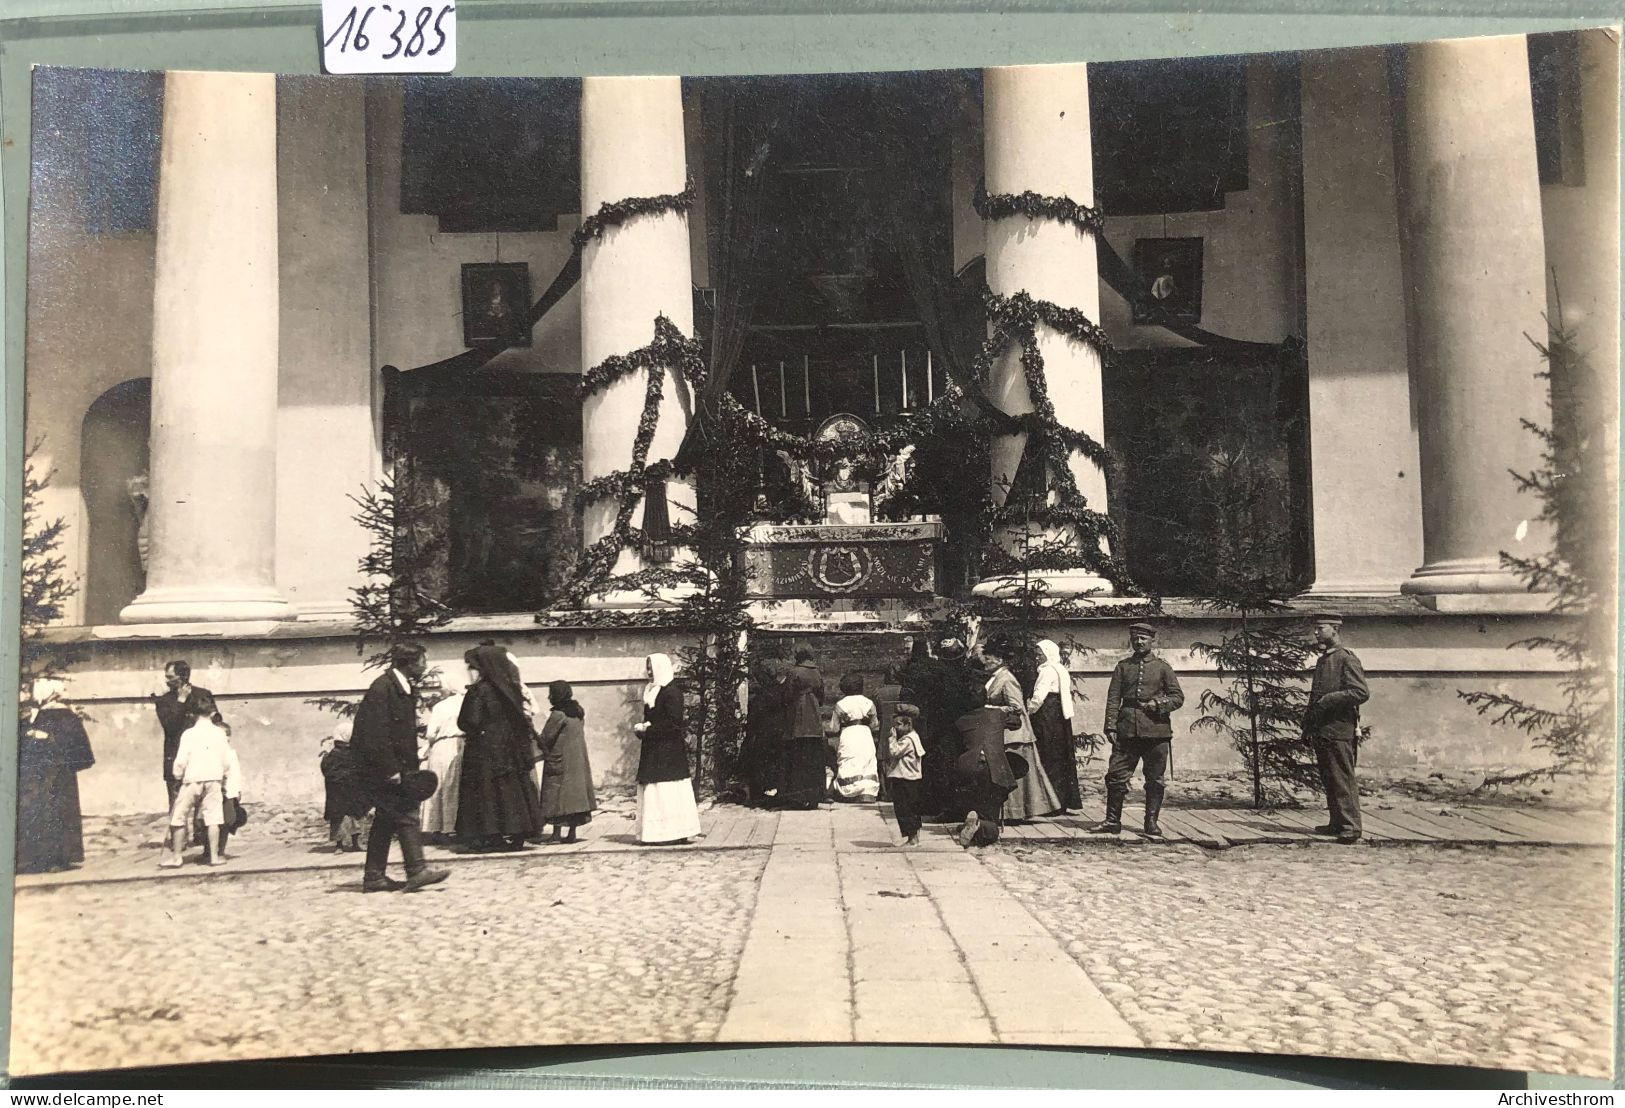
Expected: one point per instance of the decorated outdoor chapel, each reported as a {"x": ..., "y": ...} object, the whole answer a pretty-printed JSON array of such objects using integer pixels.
[{"x": 725, "y": 367}]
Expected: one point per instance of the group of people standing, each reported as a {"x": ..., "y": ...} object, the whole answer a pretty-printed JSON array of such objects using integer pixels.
[
  {"x": 494, "y": 795},
  {"x": 965, "y": 743},
  {"x": 933, "y": 737}
]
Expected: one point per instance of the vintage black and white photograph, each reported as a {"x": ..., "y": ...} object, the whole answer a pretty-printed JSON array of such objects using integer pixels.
[{"x": 1102, "y": 555}]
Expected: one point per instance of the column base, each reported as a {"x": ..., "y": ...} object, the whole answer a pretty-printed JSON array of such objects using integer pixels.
[
  {"x": 1354, "y": 586},
  {"x": 1071, "y": 585},
  {"x": 206, "y": 605},
  {"x": 1473, "y": 585}
]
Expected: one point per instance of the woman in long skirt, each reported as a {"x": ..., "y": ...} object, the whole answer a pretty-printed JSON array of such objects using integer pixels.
[
  {"x": 568, "y": 800},
  {"x": 857, "y": 775},
  {"x": 1033, "y": 795},
  {"x": 444, "y": 757},
  {"x": 666, "y": 809},
  {"x": 1050, "y": 707},
  {"x": 497, "y": 805},
  {"x": 53, "y": 750}
]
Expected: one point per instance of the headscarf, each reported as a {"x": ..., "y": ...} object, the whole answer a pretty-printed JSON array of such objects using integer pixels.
[
  {"x": 660, "y": 666},
  {"x": 47, "y": 691},
  {"x": 562, "y": 697},
  {"x": 493, "y": 666},
  {"x": 1063, "y": 677}
]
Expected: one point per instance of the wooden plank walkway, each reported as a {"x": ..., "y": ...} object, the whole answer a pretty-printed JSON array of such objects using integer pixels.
[{"x": 1385, "y": 824}]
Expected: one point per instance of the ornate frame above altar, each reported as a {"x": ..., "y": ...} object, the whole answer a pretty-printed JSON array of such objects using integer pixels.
[{"x": 832, "y": 561}]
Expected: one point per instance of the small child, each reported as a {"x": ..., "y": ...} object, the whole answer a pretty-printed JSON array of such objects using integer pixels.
[
  {"x": 208, "y": 770},
  {"x": 903, "y": 775}
]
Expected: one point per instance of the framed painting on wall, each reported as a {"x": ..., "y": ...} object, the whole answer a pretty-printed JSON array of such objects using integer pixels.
[
  {"x": 496, "y": 296},
  {"x": 1172, "y": 271}
]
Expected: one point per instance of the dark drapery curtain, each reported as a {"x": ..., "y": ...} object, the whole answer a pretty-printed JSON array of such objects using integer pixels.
[
  {"x": 739, "y": 118},
  {"x": 911, "y": 198}
]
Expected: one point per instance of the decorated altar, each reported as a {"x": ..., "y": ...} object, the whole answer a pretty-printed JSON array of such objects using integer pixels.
[{"x": 834, "y": 561}]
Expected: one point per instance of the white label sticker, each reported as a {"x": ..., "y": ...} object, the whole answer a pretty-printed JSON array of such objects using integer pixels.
[{"x": 400, "y": 36}]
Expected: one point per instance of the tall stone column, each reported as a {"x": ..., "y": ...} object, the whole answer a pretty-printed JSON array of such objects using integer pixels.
[
  {"x": 1475, "y": 260},
  {"x": 1036, "y": 138},
  {"x": 214, "y": 372},
  {"x": 632, "y": 146},
  {"x": 1363, "y": 441}
]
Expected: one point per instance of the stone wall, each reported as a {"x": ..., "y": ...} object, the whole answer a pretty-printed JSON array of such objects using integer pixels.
[{"x": 266, "y": 675}]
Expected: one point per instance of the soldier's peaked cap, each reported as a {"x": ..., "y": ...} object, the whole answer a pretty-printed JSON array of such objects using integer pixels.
[
  {"x": 1327, "y": 617},
  {"x": 1144, "y": 628}
]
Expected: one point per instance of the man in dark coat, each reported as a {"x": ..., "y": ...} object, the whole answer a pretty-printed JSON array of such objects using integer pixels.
[
  {"x": 173, "y": 717},
  {"x": 956, "y": 687},
  {"x": 982, "y": 773},
  {"x": 1331, "y": 722},
  {"x": 1143, "y": 694},
  {"x": 807, "y": 685},
  {"x": 385, "y": 742}
]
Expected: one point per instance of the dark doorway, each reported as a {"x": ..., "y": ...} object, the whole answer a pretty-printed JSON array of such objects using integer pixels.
[{"x": 112, "y": 479}]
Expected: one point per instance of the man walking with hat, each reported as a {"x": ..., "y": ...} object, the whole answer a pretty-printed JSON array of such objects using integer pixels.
[
  {"x": 1331, "y": 723},
  {"x": 1144, "y": 694},
  {"x": 385, "y": 743}
]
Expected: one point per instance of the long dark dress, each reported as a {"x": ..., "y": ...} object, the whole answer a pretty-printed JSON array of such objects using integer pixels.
[
  {"x": 53, "y": 749},
  {"x": 567, "y": 794},
  {"x": 497, "y": 797},
  {"x": 1055, "y": 751},
  {"x": 766, "y": 719}
]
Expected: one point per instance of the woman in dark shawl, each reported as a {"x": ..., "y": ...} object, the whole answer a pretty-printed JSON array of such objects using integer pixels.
[
  {"x": 666, "y": 811},
  {"x": 53, "y": 750},
  {"x": 766, "y": 723},
  {"x": 804, "y": 755},
  {"x": 497, "y": 806},
  {"x": 567, "y": 797}
]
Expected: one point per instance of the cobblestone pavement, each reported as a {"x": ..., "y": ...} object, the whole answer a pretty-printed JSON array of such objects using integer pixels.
[
  {"x": 1494, "y": 957},
  {"x": 635, "y": 947}
]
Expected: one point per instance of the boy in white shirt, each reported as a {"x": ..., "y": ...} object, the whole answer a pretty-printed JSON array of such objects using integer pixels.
[
  {"x": 903, "y": 773},
  {"x": 207, "y": 769}
]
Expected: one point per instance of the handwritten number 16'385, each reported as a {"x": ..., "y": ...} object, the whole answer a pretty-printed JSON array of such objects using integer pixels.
[{"x": 351, "y": 32}]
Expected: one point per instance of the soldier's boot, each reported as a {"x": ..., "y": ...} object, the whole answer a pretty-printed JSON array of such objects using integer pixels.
[
  {"x": 1113, "y": 823},
  {"x": 1153, "y": 808}
]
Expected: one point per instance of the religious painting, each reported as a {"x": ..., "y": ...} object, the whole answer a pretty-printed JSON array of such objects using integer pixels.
[
  {"x": 496, "y": 300},
  {"x": 1171, "y": 270},
  {"x": 454, "y": 619}
]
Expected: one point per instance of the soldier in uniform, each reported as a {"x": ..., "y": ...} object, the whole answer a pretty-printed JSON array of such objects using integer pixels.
[
  {"x": 1144, "y": 693},
  {"x": 1331, "y": 723}
]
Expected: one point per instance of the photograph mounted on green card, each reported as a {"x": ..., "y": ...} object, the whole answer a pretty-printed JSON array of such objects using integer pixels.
[{"x": 543, "y": 560}]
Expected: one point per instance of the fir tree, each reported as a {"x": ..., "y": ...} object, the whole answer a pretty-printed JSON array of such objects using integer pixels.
[
  {"x": 1576, "y": 491},
  {"x": 1262, "y": 657},
  {"x": 46, "y": 587},
  {"x": 394, "y": 603}
]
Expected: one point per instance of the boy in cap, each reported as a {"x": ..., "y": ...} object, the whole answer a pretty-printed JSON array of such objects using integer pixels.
[
  {"x": 1144, "y": 694},
  {"x": 1331, "y": 723},
  {"x": 905, "y": 752}
]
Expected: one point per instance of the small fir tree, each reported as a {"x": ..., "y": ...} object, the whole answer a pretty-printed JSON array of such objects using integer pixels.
[
  {"x": 394, "y": 603},
  {"x": 46, "y": 586},
  {"x": 1262, "y": 657},
  {"x": 1576, "y": 491}
]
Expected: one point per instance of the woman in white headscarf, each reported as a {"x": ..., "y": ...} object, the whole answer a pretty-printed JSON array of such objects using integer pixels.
[
  {"x": 1050, "y": 707},
  {"x": 666, "y": 809},
  {"x": 52, "y": 751}
]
